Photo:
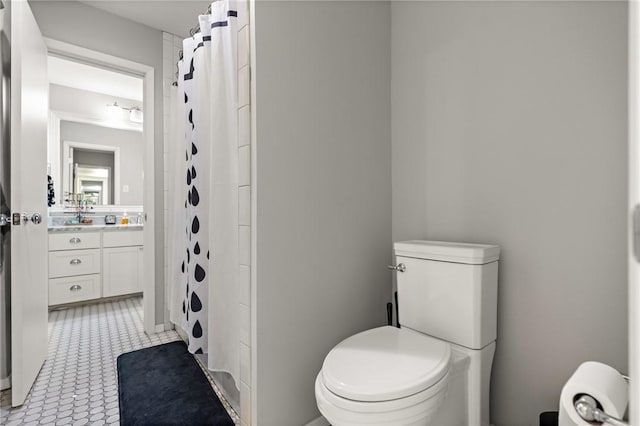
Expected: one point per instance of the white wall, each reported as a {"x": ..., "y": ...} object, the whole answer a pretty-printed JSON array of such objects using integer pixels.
[
  {"x": 92, "y": 106},
  {"x": 85, "y": 26},
  {"x": 131, "y": 146},
  {"x": 509, "y": 127},
  {"x": 323, "y": 191}
]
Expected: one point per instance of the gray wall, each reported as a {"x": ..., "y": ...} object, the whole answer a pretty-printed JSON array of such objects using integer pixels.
[
  {"x": 509, "y": 127},
  {"x": 131, "y": 146},
  {"x": 99, "y": 159},
  {"x": 92, "y": 28},
  {"x": 87, "y": 104},
  {"x": 324, "y": 191}
]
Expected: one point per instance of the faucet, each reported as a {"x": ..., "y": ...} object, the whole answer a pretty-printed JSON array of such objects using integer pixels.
[{"x": 79, "y": 206}]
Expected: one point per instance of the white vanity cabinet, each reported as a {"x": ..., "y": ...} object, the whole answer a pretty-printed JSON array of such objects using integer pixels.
[
  {"x": 122, "y": 263},
  {"x": 74, "y": 267},
  {"x": 87, "y": 265}
]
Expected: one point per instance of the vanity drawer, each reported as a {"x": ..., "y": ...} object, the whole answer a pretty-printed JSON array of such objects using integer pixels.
[
  {"x": 122, "y": 238},
  {"x": 74, "y": 289},
  {"x": 74, "y": 262},
  {"x": 74, "y": 240}
]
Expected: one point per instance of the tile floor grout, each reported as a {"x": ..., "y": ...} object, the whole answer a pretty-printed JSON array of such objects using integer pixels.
[{"x": 78, "y": 382}]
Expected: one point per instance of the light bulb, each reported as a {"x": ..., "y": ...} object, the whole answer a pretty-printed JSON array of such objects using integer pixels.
[{"x": 136, "y": 115}]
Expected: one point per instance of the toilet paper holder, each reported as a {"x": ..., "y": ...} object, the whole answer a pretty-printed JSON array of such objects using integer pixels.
[{"x": 587, "y": 408}]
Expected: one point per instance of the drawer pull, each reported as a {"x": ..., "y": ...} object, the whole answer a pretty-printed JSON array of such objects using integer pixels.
[
  {"x": 75, "y": 240},
  {"x": 75, "y": 287},
  {"x": 75, "y": 262}
]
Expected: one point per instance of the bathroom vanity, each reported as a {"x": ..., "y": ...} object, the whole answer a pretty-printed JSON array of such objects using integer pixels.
[{"x": 93, "y": 262}]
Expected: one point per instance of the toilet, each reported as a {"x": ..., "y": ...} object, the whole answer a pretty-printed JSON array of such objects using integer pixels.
[{"x": 436, "y": 368}]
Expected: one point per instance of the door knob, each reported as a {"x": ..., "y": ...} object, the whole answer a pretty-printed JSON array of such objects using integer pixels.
[
  {"x": 4, "y": 220},
  {"x": 22, "y": 218},
  {"x": 399, "y": 268}
]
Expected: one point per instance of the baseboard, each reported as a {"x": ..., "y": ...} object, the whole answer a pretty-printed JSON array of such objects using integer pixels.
[
  {"x": 5, "y": 383},
  {"x": 182, "y": 334},
  {"x": 320, "y": 421},
  {"x": 160, "y": 328}
]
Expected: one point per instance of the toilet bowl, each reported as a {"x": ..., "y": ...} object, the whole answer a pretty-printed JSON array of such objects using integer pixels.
[
  {"x": 436, "y": 369},
  {"x": 384, "y": 377}
]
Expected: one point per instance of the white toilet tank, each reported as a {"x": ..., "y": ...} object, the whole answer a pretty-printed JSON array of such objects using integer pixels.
[{"x": 449, "y": 290}]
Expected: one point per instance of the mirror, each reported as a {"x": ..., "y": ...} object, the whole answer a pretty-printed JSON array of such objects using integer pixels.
[
  {"x": 96, "y": 144},
  {"x": 93, "y": 183}
]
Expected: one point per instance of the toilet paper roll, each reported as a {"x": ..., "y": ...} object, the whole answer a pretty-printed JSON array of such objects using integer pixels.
[{"x": 603, "y": 383}]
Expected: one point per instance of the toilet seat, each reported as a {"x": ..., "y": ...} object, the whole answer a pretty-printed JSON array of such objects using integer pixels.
[
  {"x": 412, "y": 410},
  {"x": 384, "y": 377},
  {"x": 384, "y": 364}
]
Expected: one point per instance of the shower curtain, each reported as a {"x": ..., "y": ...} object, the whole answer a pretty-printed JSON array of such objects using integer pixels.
[{"x": 203, "y": 197}]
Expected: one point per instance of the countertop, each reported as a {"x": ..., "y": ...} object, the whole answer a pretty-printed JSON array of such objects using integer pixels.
[{"x": 85, "y": 228}]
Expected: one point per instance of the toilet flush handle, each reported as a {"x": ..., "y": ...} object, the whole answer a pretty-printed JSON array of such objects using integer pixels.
[{"x": 398, "y": 268}]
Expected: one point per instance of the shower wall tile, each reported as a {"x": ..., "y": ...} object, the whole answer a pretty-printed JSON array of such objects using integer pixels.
[
  {"x": 245, "y": 364},
  {"x": 244, "y": 166},
  {"x": 244, "y": 207},
  {"x": 245, "y": 404},
  {"x": 167, "y": 43},
  {"x": 166, "y": 104},
  {"x": 243, "y": 47},
  {"x": 244, "y": 125},
  {"x": 166, "y": 48},
  {"x": 245, "y": 285},
  {"x": 243, "y": 86},
  {"x": 244, "y": 242},
  {"x": 245, "y": 321},
  {"x": 165, "y": 159},
  {"x": 243, "y": 13},
  {"x": 166, "y": 123}
]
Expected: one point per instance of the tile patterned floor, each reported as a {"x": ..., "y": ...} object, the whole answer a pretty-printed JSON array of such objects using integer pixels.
[{"x": 78, "y": 382}]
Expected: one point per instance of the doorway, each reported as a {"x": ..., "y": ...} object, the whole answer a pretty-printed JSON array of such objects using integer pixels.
[{"x": 124, "y": 113}]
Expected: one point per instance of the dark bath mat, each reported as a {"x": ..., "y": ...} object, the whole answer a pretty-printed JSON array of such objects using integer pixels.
[{"x": 164, "y": 385}]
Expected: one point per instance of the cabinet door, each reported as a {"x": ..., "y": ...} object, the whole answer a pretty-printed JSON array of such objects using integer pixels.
[{"x": 121, "y": 270}]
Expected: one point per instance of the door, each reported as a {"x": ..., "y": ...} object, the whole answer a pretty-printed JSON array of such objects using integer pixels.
[
  {"x": 5, "y": 161},
  {"x": 121, "y": 270},
  {"x": 29, "y": 117}
]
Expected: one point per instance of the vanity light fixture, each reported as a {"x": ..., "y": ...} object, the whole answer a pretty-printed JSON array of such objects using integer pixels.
[{"x": 135, "y": 113}]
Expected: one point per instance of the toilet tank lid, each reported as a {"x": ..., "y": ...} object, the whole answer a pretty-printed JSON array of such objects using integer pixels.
[{"x": 473, "y": 254}]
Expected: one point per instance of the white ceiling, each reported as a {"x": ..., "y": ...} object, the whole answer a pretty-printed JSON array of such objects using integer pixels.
[
  {"x": 85, "y": 77},
  {"x": 173, "y": 16}
]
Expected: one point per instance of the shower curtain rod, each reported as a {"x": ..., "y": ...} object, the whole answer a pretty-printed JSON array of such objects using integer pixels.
[
  {"x": 195, "y": 30},
  {"x": 192, "y": 31}
]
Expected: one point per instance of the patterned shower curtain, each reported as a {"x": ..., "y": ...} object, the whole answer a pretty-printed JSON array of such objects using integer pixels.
[{"x": 204, "y": 213}]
